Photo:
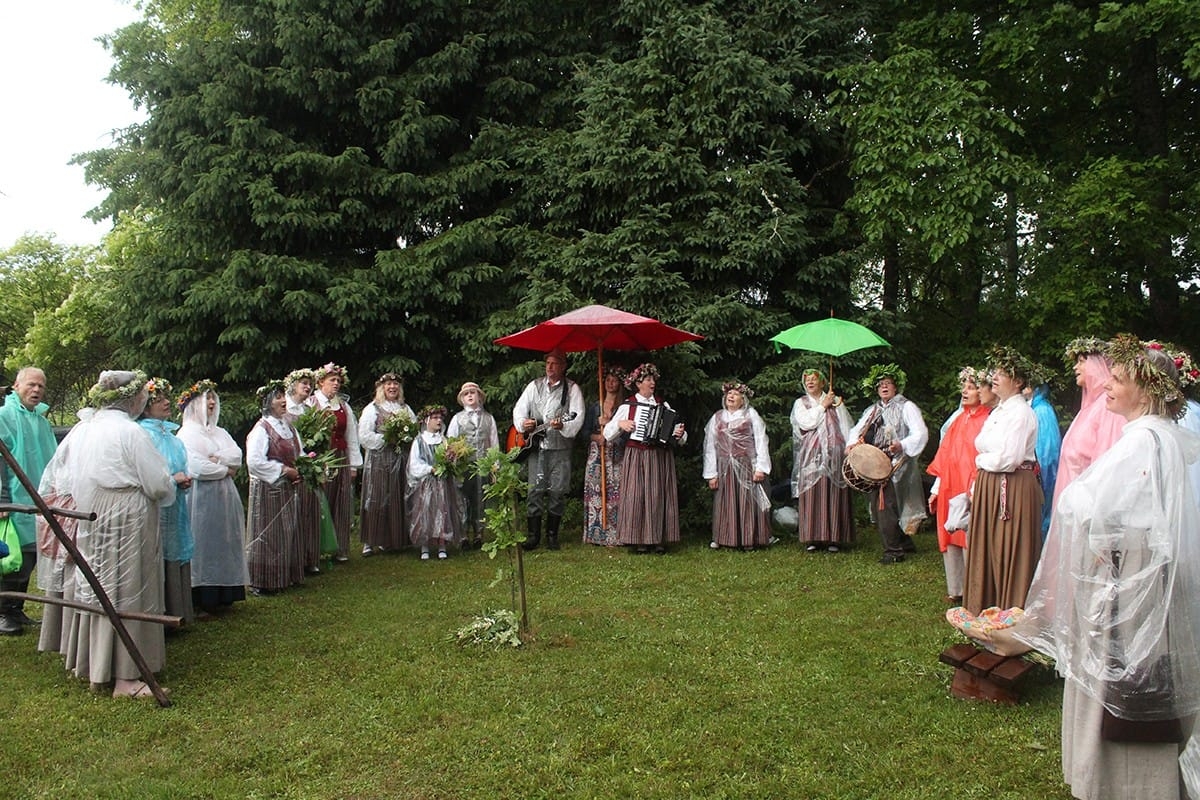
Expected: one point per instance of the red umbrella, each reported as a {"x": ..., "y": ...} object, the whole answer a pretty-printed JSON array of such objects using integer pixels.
[{"x": 598, "y": 328}]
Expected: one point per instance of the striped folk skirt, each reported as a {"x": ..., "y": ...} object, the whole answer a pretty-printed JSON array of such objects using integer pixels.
[
  {"x": 1002, "y": 554},
  {"x": 826, "y": 514},
  {"x": 649, "y": 497},
  {"x": 273, "y": 548},
  {"x": 738, "y": 521},
  {"x": 382, "y": 522}
]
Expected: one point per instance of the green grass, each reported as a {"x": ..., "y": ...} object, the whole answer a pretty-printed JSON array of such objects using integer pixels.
[{"x": 699, "y": 674}]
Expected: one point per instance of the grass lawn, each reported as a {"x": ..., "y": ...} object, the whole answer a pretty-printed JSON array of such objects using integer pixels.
[{"x": 773, "y": 674}]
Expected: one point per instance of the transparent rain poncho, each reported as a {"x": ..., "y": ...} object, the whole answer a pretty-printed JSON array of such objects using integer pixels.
[
  {"x": 117, "y": 473},
  {"x": 818, "y": 443},
  {"x": 217, "y": 515},
  {"x": 56, "y": 489},
  {"x": 735, "y": 447},
  {"x": 383, "y": 473},
  {"x": 1116, "y": 597}
]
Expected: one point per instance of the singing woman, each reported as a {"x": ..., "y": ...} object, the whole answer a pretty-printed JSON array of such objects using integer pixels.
[{"x": 649, "y": 493}]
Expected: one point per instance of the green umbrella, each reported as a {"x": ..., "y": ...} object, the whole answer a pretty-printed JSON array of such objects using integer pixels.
[{"x": 831, "y": 337}]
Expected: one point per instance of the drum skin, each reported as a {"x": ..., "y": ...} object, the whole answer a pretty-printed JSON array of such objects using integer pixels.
[{"x": 866, "y": 467}]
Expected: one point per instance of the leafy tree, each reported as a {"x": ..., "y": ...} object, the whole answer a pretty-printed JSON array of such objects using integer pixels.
[
  {"x": 324, "y": 180},
  {"x": 54, "y": 314}
]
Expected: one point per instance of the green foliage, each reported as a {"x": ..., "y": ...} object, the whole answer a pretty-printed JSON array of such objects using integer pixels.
[
  {"x": 931, "y": 153},
  {"x": 56, "y": 314},
  {"x": 503, "y": 485},
  {"x": 394, "y": 184},
  {"x": 497, "y": 628}
]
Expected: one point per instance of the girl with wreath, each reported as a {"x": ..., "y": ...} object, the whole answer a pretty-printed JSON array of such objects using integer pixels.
[{"x": 434, "y": 504}]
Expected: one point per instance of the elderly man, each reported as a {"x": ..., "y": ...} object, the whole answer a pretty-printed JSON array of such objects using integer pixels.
[
  {"x": 894, "y": 424},
  {"x": 25, "y": 431},
  {"x": 552, "y": 406}
]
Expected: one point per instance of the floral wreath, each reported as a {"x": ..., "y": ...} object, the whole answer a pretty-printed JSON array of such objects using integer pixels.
[
  {"x": 321, "y": 373},
  {"x": 1084, "y": 346},
  {"x": 195, "y": 390},
  {"x": 812, "y": 371},
  {"x": 737, "y": 386},
  {"x": 1130, "y": 352},
  {"x": 617, "y": 371},
  {"x": 298, "y": 375},
  {"x": 1012, "y": 362},
  {"x": 429, "y": 411},
  {"x": 974, "y": 375},
  {"x": 1189, "y": 374},
  {"x": 158, "y": 387},
  {"x": 269, "y": 388},
  {"x": 384, "y": 378},
  {"x": 639, "y": 372},
  {"x": 881, "y": 371},
  {"x": 99, "y": 398},
  {"x": 1184, "y": 365}
]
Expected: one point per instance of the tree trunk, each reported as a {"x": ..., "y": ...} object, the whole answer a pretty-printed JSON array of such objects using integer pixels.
[
  {"x": 1151, "y": 140},
  {"x": 891, "y": 273}
]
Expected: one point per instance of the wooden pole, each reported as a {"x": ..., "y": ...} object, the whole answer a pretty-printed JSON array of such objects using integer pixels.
[
  {"x": 139, "y": 616},
  {"x": 82, "y": 565},
  {"x": 603, "y": 448}
]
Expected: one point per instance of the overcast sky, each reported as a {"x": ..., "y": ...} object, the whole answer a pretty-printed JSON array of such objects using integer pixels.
[{"x": 55, "y": 103}]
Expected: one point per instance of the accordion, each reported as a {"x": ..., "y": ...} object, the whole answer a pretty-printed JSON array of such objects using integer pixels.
[{"x": 653, "y": 425}]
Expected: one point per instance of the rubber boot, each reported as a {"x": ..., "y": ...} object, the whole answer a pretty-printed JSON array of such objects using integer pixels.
[
  {"x": 552, "y": 523},
  {"x": 534, "y": 537}
]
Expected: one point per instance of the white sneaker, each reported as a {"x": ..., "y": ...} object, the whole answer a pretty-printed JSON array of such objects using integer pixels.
[
  {"x": 424, "y": 555},
  {"x": 367, "y": 550},
  {"x": 713, "y": 545},
  {"x": 441, "y": 553}
]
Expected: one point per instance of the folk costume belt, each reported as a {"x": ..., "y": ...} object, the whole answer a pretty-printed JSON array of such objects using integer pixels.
[{"x": 1005, "y": 511}]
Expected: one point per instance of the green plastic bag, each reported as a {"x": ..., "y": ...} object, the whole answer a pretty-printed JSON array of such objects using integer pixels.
[
  {"x": 329, "y": 544},
  {"x": 11, "y": 562}
]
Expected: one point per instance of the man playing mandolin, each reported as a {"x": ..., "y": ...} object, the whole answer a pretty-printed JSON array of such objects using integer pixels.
[{"x": 555, "y": 404}]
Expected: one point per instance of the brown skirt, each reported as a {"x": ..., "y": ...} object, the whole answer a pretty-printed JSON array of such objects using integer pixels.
[{"x": 1002, "y": 554}]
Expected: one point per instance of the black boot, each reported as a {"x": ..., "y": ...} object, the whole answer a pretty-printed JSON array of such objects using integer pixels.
[
  {"x": 552, "y": 523},
  {"x": 534, "y": 537}
]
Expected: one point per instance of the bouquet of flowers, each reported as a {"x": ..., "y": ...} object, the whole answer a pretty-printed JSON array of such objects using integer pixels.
[
  {"x": 316, "y": 468},
  {"x": 453, "y": 458},
  {"x": 400, "y": 429},
  {"x": 315, "y": 426}
]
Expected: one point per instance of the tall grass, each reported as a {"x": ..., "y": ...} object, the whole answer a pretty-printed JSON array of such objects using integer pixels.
[{"x": 772, "y": 674}]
